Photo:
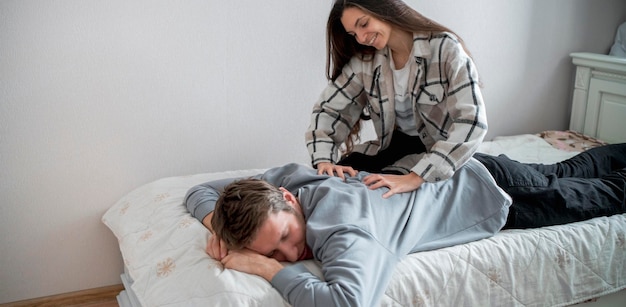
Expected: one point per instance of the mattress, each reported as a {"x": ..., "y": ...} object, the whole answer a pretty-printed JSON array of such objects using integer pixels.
[{"x": 166, "y": 265}]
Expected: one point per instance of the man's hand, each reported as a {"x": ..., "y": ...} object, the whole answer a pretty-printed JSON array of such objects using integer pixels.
[
  {"x": 251, "y": 262},
  {"x": 395, "y": 183},
  {"x": 216, "y": 248},
  {"x": 335, "y": 170}
]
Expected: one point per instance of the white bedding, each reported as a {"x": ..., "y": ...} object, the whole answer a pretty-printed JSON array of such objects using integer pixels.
[{"x": 163, "y": 251}]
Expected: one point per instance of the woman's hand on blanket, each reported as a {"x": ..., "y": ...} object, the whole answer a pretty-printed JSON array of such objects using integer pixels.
[
  {"x": 251, "y": 262},
  {"x": 395, "y": 183},
  {"x": 216, "y": 248},
  {"x": 335, "y": 170}
]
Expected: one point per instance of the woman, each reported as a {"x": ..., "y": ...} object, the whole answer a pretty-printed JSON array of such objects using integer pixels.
[{"x": 413, "y": 78}]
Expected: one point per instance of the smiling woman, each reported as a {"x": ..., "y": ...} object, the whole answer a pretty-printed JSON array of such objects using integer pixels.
[
  {"x": 416, "y": 82},
  {"x": 366, "y": 29}
]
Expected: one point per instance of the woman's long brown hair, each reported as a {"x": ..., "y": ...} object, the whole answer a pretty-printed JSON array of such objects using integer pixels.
[{"x": 341, "y": 47}]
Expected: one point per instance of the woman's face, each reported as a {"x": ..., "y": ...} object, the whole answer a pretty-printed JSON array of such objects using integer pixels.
[{"x": 366, "y": 29}]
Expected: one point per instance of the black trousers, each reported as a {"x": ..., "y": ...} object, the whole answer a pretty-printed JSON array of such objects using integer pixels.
[
  {"x": 401, "y": 145},
  {"x": 590, "y": 184}
]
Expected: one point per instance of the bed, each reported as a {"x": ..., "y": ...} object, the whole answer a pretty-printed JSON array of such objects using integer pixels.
[{"x": 165, "y": 263}]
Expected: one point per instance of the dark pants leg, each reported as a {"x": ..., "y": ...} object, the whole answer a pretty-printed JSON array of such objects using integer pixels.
[
  {"x": 591, "y": 184},
  {"x": 401, "y": 145},
  {"x": 593, "y": 163}
]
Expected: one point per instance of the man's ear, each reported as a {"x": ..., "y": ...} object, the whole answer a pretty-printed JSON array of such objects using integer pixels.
[
  {"x": 289, "y": 197},
  {"x": 292, "y": 200}
]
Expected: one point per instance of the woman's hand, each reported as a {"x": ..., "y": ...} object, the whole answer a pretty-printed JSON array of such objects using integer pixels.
[
  {"x": 251, "y": 262},
  {"x": 395, "y": 183},
  {"x": 335, "y": 170}
]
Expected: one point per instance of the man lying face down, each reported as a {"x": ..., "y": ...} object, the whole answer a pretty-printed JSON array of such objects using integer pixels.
[{"x": 290, "y": 213}]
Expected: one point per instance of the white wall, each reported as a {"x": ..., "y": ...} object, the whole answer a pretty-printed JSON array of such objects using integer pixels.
[
  {"x": 99, "y": 97},
  {"x": 522, "y": 50}
]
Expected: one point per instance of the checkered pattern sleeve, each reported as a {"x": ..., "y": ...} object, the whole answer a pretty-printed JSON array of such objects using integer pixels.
[
  {"x": 337, "y": 110},
  {"x": 451, "y": 107}
]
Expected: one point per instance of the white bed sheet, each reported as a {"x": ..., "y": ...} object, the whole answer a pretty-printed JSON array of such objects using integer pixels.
[{"x": 163, "y": 251}]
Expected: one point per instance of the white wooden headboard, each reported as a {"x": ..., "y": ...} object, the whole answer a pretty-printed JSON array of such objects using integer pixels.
[{"x": 599, "y": 100}]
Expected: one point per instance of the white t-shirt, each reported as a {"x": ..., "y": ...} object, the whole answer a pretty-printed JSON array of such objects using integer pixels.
[{"x": 405, "y": 120}]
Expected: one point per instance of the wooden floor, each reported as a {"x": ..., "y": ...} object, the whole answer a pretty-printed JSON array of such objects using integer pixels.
[
  {"x": 99, "y": 297},
  {"x": 105, "y": 303},
  {"x": 108, "y": 303}
]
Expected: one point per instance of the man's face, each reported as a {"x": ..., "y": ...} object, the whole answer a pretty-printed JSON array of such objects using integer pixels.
[{"x": 282, "y": 237}]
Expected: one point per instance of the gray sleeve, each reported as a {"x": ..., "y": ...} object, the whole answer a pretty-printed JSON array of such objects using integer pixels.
[
  {"x": 356, "y": 271},
  {"x": 200, "y": 200}
]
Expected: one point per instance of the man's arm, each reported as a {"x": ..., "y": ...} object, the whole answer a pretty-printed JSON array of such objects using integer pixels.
[
  {"x": 356, "y": 271},
  {"x": 206, "y": 221},
  {"x": 251, "y": 262},
  {"x": 200, "y": 199},
  {"x": 200, "y": 202}
]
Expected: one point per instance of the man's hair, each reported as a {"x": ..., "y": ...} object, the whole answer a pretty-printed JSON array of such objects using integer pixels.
[{"x": 243, "y": 207}]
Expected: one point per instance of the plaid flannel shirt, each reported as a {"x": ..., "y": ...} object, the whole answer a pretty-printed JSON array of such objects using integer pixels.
[{"x": 447, "y": 104}]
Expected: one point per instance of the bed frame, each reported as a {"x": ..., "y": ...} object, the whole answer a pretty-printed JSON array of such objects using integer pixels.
[{"x": 599, "y": 99}]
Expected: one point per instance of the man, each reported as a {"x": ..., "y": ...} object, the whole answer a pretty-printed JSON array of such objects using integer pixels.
[{"x": 290, "y": 213}]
